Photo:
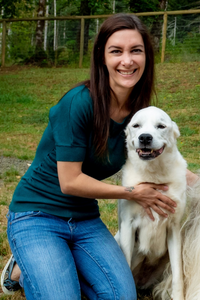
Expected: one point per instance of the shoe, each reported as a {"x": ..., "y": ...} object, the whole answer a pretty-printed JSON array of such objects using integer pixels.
[{"x": 8, "y": 285}]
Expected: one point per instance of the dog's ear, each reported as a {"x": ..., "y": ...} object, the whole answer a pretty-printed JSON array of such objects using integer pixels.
[
  {"x": 128, "y": 136},
  {"x": 175, "y": 130}
]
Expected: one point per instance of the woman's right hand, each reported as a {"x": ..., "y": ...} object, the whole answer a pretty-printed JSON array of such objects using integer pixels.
[{"x": 149, "y": 197}]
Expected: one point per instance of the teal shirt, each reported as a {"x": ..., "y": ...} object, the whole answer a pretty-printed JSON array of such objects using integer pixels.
[{"x": 68, "y": 137}]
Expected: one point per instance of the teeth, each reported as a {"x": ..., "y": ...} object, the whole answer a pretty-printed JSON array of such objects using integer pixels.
[
  {"x": 151, "y": 150},
  {"x": 126, "y": 73}
]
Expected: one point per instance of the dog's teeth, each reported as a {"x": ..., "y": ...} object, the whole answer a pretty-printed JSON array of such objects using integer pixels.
[{"x": 151, "y": 150}]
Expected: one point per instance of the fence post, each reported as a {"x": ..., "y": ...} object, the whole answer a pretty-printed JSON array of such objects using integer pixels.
[
  {"x": 164, "y": 37},
  {"x": 81, "y": 42},
  {"x": 3, "y": 56}
]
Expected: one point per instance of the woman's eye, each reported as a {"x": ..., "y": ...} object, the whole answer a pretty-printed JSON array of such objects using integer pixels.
[
  {"x": 136, "y": 50},
  {"x": 115, "y": 51},
  {"x": 160, "y": 126}
]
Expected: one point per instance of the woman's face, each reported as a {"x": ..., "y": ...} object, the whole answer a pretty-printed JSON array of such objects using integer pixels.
[{"x": 125, "y": 59}]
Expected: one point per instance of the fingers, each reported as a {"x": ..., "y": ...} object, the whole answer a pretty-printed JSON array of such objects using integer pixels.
[
  {"x": 149, "y": 213},
  {"x": 158, "y": 205},
  {"x": 159, "y": 211},
  {"x": 151, "y": 198},
  {"x": 166, "y": 203}
]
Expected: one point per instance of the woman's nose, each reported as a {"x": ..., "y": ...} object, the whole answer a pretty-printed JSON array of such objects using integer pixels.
[{"x": 127, "y": 59}]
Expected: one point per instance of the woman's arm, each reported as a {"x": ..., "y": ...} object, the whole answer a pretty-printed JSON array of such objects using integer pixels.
[{"x": 74, "y": 182}]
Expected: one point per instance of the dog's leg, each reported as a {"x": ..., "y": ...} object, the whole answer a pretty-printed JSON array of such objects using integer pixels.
[
  {"x": 174, "y": 247},
  {"x": 127, "y": 240}
]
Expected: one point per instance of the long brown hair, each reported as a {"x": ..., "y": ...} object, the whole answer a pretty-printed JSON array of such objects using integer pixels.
[{"x": 99, "y": 78}]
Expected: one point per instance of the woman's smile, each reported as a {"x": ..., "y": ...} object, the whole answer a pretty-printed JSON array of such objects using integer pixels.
[{"x": 122, "y": 72}]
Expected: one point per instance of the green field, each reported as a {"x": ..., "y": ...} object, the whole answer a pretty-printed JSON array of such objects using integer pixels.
[{"x": 26, "y": 95}]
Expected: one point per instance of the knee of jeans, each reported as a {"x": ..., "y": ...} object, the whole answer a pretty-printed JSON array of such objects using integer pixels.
[
  {"x": 110, "y": 292},
  {"x": 121, "y": 292}
]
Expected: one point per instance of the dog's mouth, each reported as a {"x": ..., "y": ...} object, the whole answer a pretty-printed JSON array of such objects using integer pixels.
[{"x": 146, "y": 153}]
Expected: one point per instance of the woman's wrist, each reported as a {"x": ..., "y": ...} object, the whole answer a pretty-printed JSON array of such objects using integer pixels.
[
  {"x": 129, "y": 189},
  {"x": 129, "y": 192}
]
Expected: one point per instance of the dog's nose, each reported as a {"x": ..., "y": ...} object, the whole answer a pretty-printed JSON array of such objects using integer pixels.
[{"x": 145, "y": 139}]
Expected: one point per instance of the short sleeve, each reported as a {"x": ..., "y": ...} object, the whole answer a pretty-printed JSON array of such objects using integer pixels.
[{"x": 71, "y": 124}]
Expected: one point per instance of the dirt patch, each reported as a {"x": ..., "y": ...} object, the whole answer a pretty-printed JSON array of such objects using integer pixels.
[
  {"x": 19, "y": 164},
  {"x": 6, "y": 163}
]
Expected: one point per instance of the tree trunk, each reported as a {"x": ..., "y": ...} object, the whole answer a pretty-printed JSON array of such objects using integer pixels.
[
  {"x": 55, "y": 31},
  {"x": 46, "y": 27},
  {"x": 156, "y": 29},
  {"x": 40, "y": 29},
  {"x": 85, "y": 11}
]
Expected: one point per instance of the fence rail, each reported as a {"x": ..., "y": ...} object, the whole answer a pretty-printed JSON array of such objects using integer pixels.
[{"x": 83, "y": 19}]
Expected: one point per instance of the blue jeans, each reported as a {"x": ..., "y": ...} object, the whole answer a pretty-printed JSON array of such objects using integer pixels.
[{"x": 60, "y": 258}]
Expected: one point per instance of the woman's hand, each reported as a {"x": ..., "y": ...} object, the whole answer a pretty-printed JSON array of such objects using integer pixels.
[{"x": 148, "y": 196}]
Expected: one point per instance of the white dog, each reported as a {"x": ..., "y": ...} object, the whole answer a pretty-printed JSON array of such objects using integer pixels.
[{"x": 153, "y": 157}]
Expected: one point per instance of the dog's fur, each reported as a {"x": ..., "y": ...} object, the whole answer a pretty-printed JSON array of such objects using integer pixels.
[
  {"x": 190, "y": 233},
  {"x": 153, "y": 157}
]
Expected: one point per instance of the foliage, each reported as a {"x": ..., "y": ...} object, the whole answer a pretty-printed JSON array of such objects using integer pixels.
[
  {"x": 12, "y": 8},
  {"x": 187, "y": 50},
  {"x": 182, "y": 4},
  {"x": 144, "y": 6}
]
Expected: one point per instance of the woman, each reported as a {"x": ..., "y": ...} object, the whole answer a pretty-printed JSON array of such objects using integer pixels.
[{"x": 56, "y": 236}]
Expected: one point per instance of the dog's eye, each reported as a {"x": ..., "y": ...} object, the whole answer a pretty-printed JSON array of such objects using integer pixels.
[
  {"x": 135, "y": 125},
  {"x": 160, "y": 126}
]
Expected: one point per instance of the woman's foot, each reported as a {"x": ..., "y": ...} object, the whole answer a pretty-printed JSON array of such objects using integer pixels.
[{"x": 10, "y": 277}]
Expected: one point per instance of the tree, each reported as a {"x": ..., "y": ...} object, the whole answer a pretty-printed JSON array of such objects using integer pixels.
[
  {"x": 85, "y": 10},
  {"x": 10, "y": 8},
  {"x": 144, "y": 5},
  {"x": 40, "y": 28},
  {"x": 183, "y": 4},
  {"x": 156, "y": 29}
]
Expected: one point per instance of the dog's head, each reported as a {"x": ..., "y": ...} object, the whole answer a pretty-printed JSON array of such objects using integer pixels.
[{"x": 150, "y": 132}]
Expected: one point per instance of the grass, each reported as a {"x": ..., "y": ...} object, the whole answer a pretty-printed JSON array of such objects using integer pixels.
[
  {"x": 179, "y": 95},
  {"x": 26, "y": 95}
]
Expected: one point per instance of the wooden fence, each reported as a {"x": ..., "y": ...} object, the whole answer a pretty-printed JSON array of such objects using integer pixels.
[{"x": 82, "y": 19}]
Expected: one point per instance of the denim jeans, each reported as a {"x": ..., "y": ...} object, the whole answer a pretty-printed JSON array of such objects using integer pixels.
[{"x": 60, "y": 258}]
